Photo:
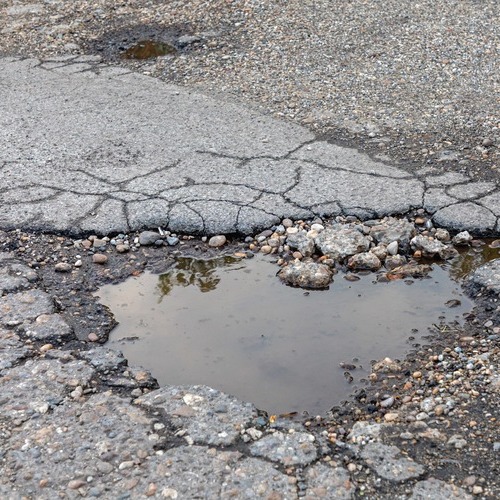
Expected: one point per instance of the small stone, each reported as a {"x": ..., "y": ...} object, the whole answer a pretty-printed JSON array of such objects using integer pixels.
[
  {"x": 62, "y": 267},
  {"x": 265, "y": 249},
  {"x": 99, "y": 258},
  {"x": 46, "y": 347},
  {"x": 391, "y": 417},
  {"x": 439, "y": 410},
  {"x": 463, "y": 238},
  {"x": 306, "y": 274},
  {"x": 387, "y": 403},
  {"x": 217, "y": 241},
  {"x": 98, "y": 243},
  {"x": 364, "y": 261},
  {"x": 172, "y": 241},
  {"x": 477, "y": 490},
  {"x": 169, "y": 493},
  {"x": 128, "y": 464},
  {"x": 457, "y": 441},
  {"x": 393, "y": 248},
  {"x": 93, "y": 337},
  {"x": 417, "y": 375},
  {"x": 147, "y": 238},
  {"x": 121, "y": 248},
  {"x": 75, "y": 484},
  {"x": 78, "y": 263},
  {"x": 487, "y": 142},
  {"x": 151, "y": 489},
  {"x": 442, "y": 235},
  {"x": 420, "y": 221}
]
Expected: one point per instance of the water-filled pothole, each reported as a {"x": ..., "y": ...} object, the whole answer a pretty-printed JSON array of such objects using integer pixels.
[
  {"x": 148, "y": 49},
  {"x": 231, "y": 324}
]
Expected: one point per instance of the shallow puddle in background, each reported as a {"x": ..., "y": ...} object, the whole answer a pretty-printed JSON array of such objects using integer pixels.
[
  {"x": 232, "y": 325},
  {"x": 148, "y": 49}
]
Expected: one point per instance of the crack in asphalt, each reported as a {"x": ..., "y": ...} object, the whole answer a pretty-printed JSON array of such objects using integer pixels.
[{"x": 292, "y": 193}]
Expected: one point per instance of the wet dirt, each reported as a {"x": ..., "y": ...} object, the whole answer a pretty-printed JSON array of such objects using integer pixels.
[{"x": 232, "y": 325}]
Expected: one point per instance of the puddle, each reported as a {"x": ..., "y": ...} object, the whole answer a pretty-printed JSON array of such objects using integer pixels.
[
  {"x": 233, "y": 325},
  {"x": 148, "y": 49}
]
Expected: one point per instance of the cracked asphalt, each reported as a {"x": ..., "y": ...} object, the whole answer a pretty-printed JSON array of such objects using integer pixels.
[
  {"x": 86, "y": 147},
  {"x": 91, "y": 148}
]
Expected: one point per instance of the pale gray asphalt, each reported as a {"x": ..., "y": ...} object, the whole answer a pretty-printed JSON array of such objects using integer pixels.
[{"x": 87, "y": 148}]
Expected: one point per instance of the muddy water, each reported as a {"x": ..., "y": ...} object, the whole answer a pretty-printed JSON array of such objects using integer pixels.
[{"x": 232, "y": 325}]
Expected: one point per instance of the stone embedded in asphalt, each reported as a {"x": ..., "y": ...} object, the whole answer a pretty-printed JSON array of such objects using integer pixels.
[
  {"x": 217, "y": 241},
  {"x": 147, "y": 238},
  {"x": 387, "y": 462},
  {"x": 301, "y": 242},
  {"x": 289, "y": 449},
  {"x": 364, "y": 261},
  {"x": 63, "y": 267},
  {"x": 24, "y": 306},
  {"x": 339, "y": 242},
  {"x": 325, "y": 481},
  {"x": 393, "y": 230},
  {"x": 487, "y": 276},
  {"x": 306, "y": 274},
  {"x": 427, "y": 245},
  {"x": 204, "y": 414},
  {"x": 434, "y": 488},
  {"x": 48, "y": 327}
]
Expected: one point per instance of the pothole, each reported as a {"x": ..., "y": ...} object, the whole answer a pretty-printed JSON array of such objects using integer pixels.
[
  {"x": 230, "y": 323},
  {"x": 148, "y": 49}
]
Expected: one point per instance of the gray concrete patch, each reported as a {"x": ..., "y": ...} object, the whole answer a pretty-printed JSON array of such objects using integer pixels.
[{"x": 128, "y": 152}]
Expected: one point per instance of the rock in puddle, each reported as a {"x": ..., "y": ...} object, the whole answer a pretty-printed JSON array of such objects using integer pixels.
[
  {"x": 306, "y": 274},
  {"x": 217, "y": 241},
  {"x": 339, "y": 242}
]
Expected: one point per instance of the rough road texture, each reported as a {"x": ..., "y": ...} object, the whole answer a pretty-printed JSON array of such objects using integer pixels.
[{"x": 86, "y": 147}]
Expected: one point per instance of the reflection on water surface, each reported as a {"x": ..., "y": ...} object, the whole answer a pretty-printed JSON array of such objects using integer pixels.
[{"x": 232, "y": 325}]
